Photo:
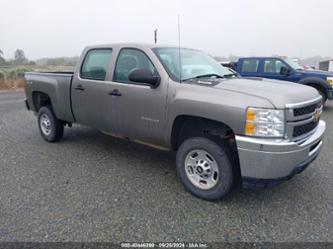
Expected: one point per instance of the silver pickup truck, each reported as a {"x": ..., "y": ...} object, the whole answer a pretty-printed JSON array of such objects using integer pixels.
[{"x": 226, "y": 129}]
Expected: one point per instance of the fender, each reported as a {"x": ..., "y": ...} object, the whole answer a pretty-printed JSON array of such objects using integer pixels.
[
  {"x": 217, "y": 105},
  {"x": 315, "y": 81}
]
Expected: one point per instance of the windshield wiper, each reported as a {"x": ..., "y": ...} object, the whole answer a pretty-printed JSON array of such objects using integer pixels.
[
  {"x": 231, "y": 74},
  {"x": 204, "y": 76}
]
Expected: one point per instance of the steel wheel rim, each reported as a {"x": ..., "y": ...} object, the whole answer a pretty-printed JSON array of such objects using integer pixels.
[
  {"x": 201, "y": 169},
  {"x": 45, "y": 124}
]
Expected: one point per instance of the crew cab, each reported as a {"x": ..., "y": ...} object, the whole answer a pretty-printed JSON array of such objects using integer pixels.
[
  {"x": 286, "y": 70},
  {"x": 226, "y": 129}
]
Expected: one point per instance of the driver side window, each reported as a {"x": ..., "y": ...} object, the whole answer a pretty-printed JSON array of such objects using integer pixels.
[
  {"x": 128, "y": 60},
  {"x": 273, "y": 66}
]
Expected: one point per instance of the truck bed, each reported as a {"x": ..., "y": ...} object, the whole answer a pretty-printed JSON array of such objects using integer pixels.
[{"x": 57, "y": 85}]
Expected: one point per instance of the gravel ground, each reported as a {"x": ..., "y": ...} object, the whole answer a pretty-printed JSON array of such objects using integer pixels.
[{"x": 92, "y": 187}]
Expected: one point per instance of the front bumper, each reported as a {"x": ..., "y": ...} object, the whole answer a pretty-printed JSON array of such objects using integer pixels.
[{"x": 265, "y": 162}]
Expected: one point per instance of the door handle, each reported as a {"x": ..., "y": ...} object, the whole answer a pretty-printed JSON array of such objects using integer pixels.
[
  {"x": 115, "y": 92},
  {"x": 79, "y": 87}
]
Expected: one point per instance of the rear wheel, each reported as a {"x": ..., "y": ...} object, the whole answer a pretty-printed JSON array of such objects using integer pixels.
[
  {"x": 51, "y": 128},
  {"x": 205, "y": 167}
]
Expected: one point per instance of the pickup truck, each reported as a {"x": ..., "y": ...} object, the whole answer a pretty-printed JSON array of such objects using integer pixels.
[
  {"x": 287, "y": 70},
  {"x": 226, "y": 130}
]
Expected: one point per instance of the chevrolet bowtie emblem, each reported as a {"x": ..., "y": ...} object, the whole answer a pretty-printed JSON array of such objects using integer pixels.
[{"x": 316, "y": 115}]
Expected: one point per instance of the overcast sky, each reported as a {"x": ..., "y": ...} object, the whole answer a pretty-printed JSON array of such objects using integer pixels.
[{"x": 45, "y": 28}]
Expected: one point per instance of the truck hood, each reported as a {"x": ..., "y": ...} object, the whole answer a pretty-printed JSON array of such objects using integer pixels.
[
  {"x": 316, "y": 73},
  {"x": 278, "y": 93}
]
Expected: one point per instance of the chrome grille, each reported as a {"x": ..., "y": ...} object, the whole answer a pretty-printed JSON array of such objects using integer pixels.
[
  {"x": 306, "y": 109},
  {"x": 303, "y": 118},
  {"x": 304, "y": 129}
]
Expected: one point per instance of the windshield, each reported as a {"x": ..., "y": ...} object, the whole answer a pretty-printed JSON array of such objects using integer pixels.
[
  {"x": 194, "y": 64},
  {"x": 294, "y": 64}
]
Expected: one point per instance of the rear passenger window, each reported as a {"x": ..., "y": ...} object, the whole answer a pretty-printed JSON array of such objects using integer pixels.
[
  {"x": 96, "y": 64},
  {"x": 128, "y": 60},
  {"x": 250, "y": 66}
]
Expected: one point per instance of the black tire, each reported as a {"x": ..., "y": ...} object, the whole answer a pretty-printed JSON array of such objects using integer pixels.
[
  {"x": 226, "y": 163},
  {"x": 55, "y": 128}
]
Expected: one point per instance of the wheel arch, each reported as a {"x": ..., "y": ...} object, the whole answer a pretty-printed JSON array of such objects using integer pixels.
[
  {"x": 40, "y": 99},
  {"x": 185, "y": 126},
  {"x": 317, "y": 83}
]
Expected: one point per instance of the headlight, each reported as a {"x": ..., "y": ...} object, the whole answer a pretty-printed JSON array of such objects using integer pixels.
[
  {"x": 329, "y": 80},
  {"x": 264, "y": 122}
]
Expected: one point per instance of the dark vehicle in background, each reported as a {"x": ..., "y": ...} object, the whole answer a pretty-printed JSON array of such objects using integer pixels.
[{"x": 284, "y": 69}]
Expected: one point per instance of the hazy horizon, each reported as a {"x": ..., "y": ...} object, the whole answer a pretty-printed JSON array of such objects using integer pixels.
[{"x": 258, "y": 27}]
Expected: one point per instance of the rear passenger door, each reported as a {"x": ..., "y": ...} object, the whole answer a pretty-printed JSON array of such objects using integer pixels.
[
  {"x": 90, "y": 90},
  {"x": 249, "y": 67}
]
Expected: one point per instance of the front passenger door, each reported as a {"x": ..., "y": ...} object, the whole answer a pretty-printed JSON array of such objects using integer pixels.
[
  {"x": 272, "y": 68},
  {"x": 138, "y": 108}
]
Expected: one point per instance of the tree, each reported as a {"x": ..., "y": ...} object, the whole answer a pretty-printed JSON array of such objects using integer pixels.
[
  {"x": 19, "y": 57},
  {"x": 2, "y": 60}
]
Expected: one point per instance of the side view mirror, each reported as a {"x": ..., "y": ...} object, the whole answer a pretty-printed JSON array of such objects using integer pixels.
[
  {"x": 144, "y": 76},
  {"x": 284, "y": 71}
]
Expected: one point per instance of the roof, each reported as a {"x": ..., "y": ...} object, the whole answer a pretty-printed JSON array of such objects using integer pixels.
[
  {"x": 136, "y": 45},
  {"x": 263, "y": 57}
]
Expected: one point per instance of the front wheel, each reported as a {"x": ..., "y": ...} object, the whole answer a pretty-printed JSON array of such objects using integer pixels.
[
  {"x": 51, "y": 128},
  {"x": 206, "y": 168}
]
